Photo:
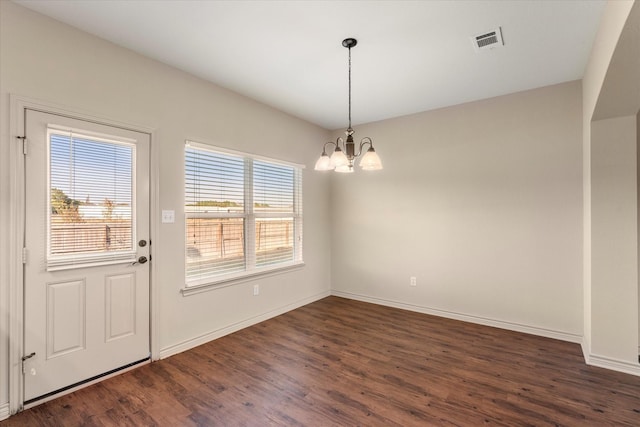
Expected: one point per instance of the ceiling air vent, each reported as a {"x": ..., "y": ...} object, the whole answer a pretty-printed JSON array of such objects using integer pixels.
[{"x": 488, "y": 40}]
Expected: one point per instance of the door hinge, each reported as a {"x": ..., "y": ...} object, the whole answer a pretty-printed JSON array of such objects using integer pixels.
[
  {"x": 24, "y": 144},
  {"x": 24, "y": 255}
]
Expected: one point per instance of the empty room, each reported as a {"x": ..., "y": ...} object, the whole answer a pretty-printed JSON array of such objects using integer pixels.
[{"x": 320, "y": 213}]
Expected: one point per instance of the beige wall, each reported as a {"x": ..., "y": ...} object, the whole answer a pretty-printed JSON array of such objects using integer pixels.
[
  {"x": 611, "y": 25},
  {"x": 614, "y": 239},
  {"x": 49, "y": 61},
  {"x": 481, "y": 202},
  {"x": 611, "y": 92}
]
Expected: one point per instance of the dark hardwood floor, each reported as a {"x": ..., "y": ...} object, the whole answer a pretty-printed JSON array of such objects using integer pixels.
[{"x": 338, "y": 362}]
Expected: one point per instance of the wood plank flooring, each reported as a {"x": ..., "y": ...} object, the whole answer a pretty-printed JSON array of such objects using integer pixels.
[{"x": 338, "y": 362}]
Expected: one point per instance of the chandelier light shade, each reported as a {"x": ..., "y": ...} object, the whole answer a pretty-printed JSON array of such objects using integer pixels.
[
  {"x": 371, "y": 161},
  {"x": 343, "y": 154}
]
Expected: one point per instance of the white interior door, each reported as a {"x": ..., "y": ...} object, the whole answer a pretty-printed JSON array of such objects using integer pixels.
[{"x": 86, "y": 289}]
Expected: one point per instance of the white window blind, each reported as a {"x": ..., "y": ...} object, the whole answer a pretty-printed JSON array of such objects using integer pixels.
[
  {"x": 243, "y": 214},
  {"x": 275, "y": 194},
  {"x": 215, "y": 217},
  {"x": 90, "y": 206}
]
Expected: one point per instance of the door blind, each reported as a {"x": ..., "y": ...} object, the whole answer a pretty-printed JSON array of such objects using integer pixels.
[{"x": 90, "y": 206}]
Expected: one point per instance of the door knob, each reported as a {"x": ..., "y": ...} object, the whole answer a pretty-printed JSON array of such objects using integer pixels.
[{"x": 140, "y": 260}]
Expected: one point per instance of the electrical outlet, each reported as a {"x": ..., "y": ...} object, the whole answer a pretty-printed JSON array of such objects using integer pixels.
[
  {"x": 412, "y": 281},
  {"x": 256, "y": 290}
]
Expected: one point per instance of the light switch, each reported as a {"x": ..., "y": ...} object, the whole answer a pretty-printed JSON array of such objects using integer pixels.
[{"x": 168, "y": 216}]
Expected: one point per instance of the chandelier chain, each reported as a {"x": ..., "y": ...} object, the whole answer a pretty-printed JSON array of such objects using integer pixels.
[{"x": 349, "y": 87}]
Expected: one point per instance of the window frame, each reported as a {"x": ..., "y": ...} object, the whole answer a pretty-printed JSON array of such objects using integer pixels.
[{"x": 251, "y": 270}]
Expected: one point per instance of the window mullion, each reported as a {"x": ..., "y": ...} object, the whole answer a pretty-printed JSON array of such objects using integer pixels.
[{"x": 250, "y": 219}]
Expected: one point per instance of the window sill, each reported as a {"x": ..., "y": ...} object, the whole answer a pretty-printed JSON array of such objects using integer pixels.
[{"x": 223, "y": 283}]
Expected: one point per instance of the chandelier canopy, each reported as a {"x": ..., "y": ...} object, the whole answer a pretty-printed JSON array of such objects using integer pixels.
[{"x": 344, "y": 151}]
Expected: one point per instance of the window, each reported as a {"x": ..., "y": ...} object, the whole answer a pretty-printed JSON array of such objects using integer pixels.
[
  {"x": 90, "y": 204},
  {"x": 243, "y": 214}
]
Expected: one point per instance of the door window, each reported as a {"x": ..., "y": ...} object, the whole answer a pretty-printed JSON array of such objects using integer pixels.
[{"x": 90, "y": 203}]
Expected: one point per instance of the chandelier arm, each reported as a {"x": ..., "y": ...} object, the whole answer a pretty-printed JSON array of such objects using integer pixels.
[
  {"x": 366, "y": 140},
  {"x": 338, "y": 143},
  {"x": 324, "y": 147}
]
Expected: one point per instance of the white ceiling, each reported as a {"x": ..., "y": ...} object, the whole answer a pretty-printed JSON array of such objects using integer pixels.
[{"x": 411, "y": 56}]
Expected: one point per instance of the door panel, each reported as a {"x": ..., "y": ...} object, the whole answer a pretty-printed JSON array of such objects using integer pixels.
[
  {"x": 87, "y": 204},
  {"x": 120, "y": 306},
  {"x": 66, "y": 322}
]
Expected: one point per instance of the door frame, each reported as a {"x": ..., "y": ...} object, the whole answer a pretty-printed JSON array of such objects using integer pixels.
[{"x": 17, "y": 118}]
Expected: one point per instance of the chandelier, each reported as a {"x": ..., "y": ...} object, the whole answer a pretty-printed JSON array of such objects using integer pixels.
[{"x": 344, "y": 152}]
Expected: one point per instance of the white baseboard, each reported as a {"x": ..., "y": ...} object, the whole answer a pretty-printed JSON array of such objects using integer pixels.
[
  {"x": 584, "y": 345},
  {"x": 548, "y": 333},
  {"x": 4, "y": 411},
  {"x": 613, "y": 364},
  {"x": 218, "y": 333}
]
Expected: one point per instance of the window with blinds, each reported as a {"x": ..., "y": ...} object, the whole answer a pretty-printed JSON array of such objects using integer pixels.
[
  {"x": 90, "y": 203},
  {"x": 243, "y": 214},
  {"x": 274, "y": 194}
]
